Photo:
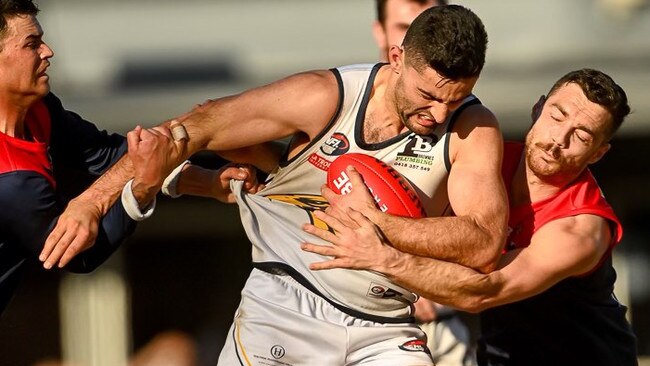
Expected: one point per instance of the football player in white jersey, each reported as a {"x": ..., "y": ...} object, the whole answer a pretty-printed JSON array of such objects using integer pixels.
[
  {"x": 448, "y": 338},
  {"x": 289, "y": 314}
]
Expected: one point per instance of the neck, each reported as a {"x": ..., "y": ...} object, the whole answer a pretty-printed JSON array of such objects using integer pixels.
[
  {"x": 381, "y": 121},
  {"x": 12, "y": 117},
  {"x": 527, "y": 187}
]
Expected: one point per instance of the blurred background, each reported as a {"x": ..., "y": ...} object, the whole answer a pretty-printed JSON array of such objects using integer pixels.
[{"x": 120, "y": 63}]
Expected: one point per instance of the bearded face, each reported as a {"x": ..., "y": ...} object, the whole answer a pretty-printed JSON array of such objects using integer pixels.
[
  {"x": 569, "y": 134},
  {"x": 547, "y": 159}
]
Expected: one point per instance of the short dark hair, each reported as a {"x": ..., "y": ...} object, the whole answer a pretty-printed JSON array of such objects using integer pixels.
[
  {"x": 450, "y": 39},
  {"x": 11, "y": 8},
  {"x": 601, "y": 89},
  {"x": 381, "y": 8}
]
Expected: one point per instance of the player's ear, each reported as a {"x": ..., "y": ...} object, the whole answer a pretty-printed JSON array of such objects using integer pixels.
[{"x": 396, "y": 58}]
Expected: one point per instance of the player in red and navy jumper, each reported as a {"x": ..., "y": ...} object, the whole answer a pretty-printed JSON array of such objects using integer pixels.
[
  {"x": 60, "y": 155},
  {"x": 578, "y": 321}
]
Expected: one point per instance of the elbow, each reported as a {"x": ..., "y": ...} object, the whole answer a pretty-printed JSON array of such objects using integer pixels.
[{"x": 494, "y": 241}]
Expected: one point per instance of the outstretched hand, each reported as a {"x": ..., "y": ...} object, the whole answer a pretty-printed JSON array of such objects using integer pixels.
[
  {"x": 356, "y": 242},
  {"x": 75, "y": 231}
]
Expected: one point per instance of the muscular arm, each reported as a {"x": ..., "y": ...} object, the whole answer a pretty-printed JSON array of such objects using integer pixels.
[
  {"x": 560, "y": 249},
  {"x": 475, "y": 235},
  {"x": 300, "y": 103}
]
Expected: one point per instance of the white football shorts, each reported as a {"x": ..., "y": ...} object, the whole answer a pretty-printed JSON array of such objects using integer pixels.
[{"x": 281, "y": 323}]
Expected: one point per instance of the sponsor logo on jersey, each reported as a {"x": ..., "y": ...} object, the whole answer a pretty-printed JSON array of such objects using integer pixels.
[
  {"x": 415, "y": 345},
  {"x": 377, "y": 290},
  {"x": 307, "y": 202},
  {"x": 336, "y": 145},
  {"x": 418, "y": 153},
  {"x": 319, "y": 162},
  {"x": 277, "y": 352}
]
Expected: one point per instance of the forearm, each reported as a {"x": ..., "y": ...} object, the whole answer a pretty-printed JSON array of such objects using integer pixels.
[
  {"x": 106, "y": 190},
  {"x": 444, "y": 282},
  {"x": 265, "y": 156},
  {"x": 452, "y": 239},
  {"x": 196, "y": 181}
]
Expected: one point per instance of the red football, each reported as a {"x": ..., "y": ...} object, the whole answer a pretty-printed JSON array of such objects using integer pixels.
[{"x": 392, "y": 192}]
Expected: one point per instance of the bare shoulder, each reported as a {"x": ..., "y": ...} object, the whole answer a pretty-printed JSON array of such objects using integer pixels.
[
  {"x": 476, "y": 134},
  {"x": 319, "y": 83},
  {"x": 475, "y": 116},
  {"x": 309, "y": 98}
]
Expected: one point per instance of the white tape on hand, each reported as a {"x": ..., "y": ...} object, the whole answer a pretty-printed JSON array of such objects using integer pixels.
[{"x": 178, "y": 131}]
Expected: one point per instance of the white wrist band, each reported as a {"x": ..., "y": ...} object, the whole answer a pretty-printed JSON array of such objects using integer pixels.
[
  {"x": 131, "y": 205},
  {"x": 170, "y": 184}
]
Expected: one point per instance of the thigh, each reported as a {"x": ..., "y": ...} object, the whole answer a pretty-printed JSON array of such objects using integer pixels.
[
  {"x": 274, "y": 326},
  {"x": 388, "y": 345}
]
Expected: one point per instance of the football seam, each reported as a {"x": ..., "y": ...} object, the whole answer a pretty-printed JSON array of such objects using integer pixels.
[{"x": 395, "y": 193}]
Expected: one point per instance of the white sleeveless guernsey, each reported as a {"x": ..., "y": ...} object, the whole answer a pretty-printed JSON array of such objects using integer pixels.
[{"x": 273, "y": 217}]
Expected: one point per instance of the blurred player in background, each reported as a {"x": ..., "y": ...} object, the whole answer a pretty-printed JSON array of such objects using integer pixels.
[
  {"x": 47, "y": 155},
  {"x": 393, "y": 19}
]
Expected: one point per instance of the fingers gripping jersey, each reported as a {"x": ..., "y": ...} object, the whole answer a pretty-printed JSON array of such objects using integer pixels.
[{"x": 273, "y": 218}]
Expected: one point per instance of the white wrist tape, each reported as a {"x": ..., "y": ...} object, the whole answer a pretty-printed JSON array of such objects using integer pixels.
[
  {"x": 131, "y": 205},
  {"x": 170, "y": 184}
]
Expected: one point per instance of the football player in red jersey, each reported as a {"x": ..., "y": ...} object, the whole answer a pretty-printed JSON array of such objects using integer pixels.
[
  {"x": 48, "y": 155},
  {"x": 550, "y": 301},
  {"x": 40, "y": 142}
]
